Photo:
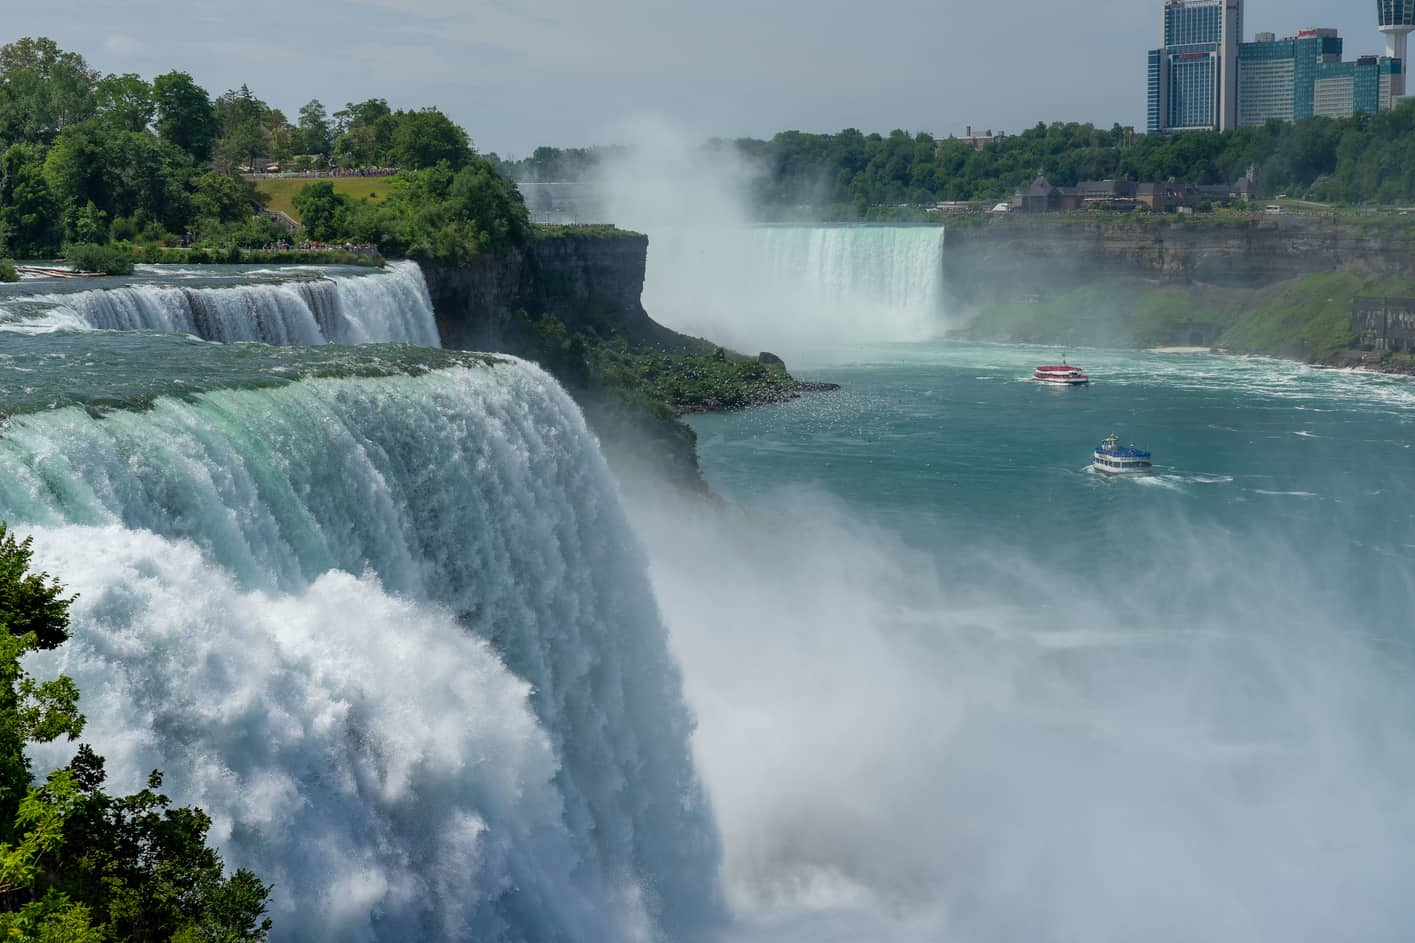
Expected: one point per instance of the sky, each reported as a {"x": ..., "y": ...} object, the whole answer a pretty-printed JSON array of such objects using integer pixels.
[{"x": 579, "y": 72}]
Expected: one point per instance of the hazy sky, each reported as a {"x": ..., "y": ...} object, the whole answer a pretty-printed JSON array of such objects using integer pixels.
[{"x": 569, "y": 72}]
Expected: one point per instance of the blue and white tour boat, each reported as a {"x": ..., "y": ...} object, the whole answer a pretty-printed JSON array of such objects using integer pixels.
[{"x": 1112, "y": 458}]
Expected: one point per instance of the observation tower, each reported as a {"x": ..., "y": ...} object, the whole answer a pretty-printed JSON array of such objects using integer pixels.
[{"x": 1397, "y": 20}]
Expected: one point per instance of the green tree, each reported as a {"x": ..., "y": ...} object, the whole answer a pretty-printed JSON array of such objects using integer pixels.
[
  {"x": 321, "y": 210},
  {"x": 316, "y": 132},
  {"x": 222, "y": 197},
  {"x": 425, "y": 138},
  {"x": 245, "y": 137},
  {"x": 29, "y": 208},
  {"x": 43, "y": 90},
  {"x": 186, "y": 117},
  {"x": 363, "y": 133},
  {"x": 125, "y": 102}
]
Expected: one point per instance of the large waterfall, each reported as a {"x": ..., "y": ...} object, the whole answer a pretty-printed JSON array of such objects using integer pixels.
[
  {"x": 795, "y": 288},
  {"x": 343, "y": 308},
  {"x": 390, "y": 628}
]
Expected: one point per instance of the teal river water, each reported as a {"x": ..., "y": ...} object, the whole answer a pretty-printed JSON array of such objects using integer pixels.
[{"x": 952, "y": 446}]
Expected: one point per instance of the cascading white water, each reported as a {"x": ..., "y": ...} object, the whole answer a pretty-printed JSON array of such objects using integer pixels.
[
  {"x": 798, "y": 288},
  {"x": 392, "y": 305},
  {"x": 277, "y": 587}
]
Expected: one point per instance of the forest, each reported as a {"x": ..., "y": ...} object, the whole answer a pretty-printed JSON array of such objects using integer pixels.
[{"x": 90, "y": 160}]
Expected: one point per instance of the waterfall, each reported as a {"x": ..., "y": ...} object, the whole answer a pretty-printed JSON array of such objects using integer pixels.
[
  {"x": 393, "y": 633},
  {"x": 388, "y": 305},
  {"x": 793, "y": 288}
]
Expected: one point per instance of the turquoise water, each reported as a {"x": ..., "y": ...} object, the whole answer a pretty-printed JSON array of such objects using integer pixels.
[{"x": 948, "y": 444}]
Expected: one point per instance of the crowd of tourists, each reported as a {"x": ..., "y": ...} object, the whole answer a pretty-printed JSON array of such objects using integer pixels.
[
  {"x": 306, "y": 245},
  {"x": 323, "y": 172}
]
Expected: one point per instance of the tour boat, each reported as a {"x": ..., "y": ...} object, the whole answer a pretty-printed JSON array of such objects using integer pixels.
[
  {"x": 1115, "y": 459},
  {"x": 1063, "y": 375}
]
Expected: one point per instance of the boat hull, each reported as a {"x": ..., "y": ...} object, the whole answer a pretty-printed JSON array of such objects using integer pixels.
[{"x": 1067, "y": 381}]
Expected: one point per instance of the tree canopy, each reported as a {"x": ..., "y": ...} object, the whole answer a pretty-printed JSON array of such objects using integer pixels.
[{"x": 86, "y": 158}]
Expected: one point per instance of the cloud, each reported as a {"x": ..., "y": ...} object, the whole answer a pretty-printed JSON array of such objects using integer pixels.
[{"x": 130, "y": 47}]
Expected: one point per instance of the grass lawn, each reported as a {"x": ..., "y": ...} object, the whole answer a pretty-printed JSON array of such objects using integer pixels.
[{"x": 278, "y": 194}]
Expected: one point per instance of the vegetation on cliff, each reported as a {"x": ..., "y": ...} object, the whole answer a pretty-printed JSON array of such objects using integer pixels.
[
  {"x": 633, "y": 389},
  {"x": 76, "y": 864}
]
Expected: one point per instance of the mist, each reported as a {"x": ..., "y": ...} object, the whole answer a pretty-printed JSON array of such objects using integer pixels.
[
  {"x": 963, "y": 742},
  {"x": 806, "y": 292}
]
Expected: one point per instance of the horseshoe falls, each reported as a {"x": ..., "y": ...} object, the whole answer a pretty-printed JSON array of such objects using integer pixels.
[
  {"x": 798, "y": 290},
  {"x": 378, "y": 611},
  {"x": 318, "y": 305}
]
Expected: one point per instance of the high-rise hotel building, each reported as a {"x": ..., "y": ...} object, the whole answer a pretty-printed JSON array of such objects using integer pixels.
[
  {"x": 1205, "y": 77},
  {"x": 1192, "y": 77}
]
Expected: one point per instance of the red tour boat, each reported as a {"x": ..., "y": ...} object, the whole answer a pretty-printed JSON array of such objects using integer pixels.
[{"x": 1062, "y": 375}]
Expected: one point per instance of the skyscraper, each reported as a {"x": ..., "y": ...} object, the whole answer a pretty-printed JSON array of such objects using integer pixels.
[
  {"x": 1193, "y": 75},
  {"x": 1276, "y": 77},
  {"x": 1204, "y": 77}
]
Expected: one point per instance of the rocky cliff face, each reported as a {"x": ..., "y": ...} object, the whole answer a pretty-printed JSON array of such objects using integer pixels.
[
  {"x": 591, "y": 283},
  {"x": 588, "y": 282},
  {"x": 1040, "y": 256}
]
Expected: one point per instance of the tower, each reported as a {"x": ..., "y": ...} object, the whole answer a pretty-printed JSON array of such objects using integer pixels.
[{"x": 1397, "y": 20}]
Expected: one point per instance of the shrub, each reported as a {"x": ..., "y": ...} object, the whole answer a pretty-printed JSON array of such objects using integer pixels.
[
  {"x": 8, "y": 272},
  {"x": 103, "y": 260}
]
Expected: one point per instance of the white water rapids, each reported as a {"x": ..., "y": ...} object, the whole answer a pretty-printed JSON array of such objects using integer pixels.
[{"x": 390, "y": 305}]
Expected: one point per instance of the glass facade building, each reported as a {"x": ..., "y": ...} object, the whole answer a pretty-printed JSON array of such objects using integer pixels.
[
  {"x": 1189, "y": 24},
  {"x": 1193, "y": 87},
  {"x": 1341, "y": 89},
  {"x": 1185, "y": 75},
  {"x": 1276, "y": 78},
  {"x": 1205, "y": 77}
]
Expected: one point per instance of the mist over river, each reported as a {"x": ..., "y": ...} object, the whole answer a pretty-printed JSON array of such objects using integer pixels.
[{"x": 953, "y": 685}]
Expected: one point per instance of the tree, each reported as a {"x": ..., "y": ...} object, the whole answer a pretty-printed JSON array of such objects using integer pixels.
[
  {"x": 29, "y": 209},
  {"x": 426, "y": 138},
  {"x": 316, "y": 133},
  {"x": 222, "y": 197},
  {"x": 363, "y": 133},
  {"x": 78, "y": 865},
  {"x": 321, "y": 209},
  {"x": 185, "y": 116},
  {"x": 43, "y": 90},
  {"x": 245, "y": 137},
  {"x": 125, "y": 102}
]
